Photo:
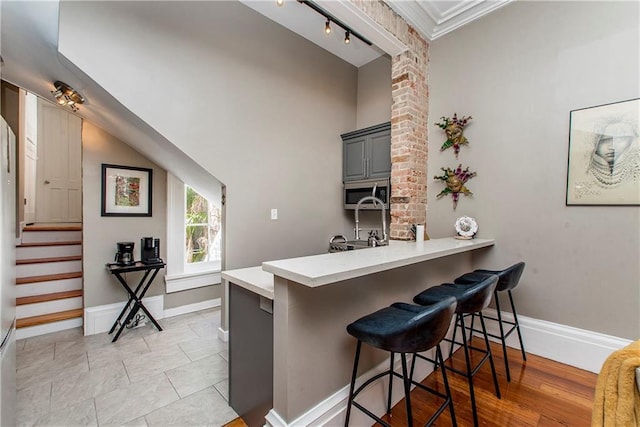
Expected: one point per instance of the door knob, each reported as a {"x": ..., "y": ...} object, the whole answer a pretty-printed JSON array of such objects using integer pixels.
[{"x": 47, "y": 182}]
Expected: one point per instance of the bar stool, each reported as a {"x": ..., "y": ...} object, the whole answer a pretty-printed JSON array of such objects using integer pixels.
[
  {"x": 508, "y": 279},
  {"x": 403, "y": 328},
  {"x": 471, "y": 299}
]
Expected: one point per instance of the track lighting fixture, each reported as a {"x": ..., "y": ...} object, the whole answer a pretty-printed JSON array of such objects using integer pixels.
[
  {"x": 332, "y": 19},
  {"x": 67, "y": 96}
]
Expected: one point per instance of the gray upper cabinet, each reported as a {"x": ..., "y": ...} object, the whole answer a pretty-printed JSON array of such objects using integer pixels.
[{"x": 366, "y": 153}]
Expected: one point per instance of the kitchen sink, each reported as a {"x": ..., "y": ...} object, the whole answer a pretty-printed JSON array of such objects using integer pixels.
[{"x": 340, "y": 245}]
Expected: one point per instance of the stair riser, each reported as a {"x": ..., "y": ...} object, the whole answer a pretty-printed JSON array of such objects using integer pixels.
[
  {"x": 34, "y": 331},
  {"x": 49, "y": 287},
  {"x": 51, "y": 236},
  {"x": 48, "y": 251},
  {"x": 26, "y": 270},
  {"x": 30, "y": 310}
]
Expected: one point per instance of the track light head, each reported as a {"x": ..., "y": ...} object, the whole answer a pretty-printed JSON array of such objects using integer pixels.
[{"x": 331, "y": 19}]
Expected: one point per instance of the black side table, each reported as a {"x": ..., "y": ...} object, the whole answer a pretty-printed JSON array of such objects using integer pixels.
[{"x": 135, "y": 297}]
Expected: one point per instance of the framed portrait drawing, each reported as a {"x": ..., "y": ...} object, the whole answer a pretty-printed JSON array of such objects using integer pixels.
[
  {"x": 126, "y": 191},
  {"x": 604, "y": 155}
]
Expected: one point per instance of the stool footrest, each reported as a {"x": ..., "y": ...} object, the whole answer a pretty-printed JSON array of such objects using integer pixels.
[{"x": 372, "y": 379}]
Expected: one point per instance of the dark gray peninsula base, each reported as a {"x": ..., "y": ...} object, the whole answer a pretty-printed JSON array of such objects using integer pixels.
[{"x": 250, "y": 354}]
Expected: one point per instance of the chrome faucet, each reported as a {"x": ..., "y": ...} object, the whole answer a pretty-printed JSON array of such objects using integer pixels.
[{"x": 385, "y": 237}]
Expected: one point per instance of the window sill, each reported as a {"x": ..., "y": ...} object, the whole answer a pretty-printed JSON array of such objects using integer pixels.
[{"x": 183, "y": 282}]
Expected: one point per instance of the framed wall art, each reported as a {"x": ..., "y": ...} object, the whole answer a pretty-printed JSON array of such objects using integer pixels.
[
  {"x": 126, "y": 191},
  {"x": 604, "y": 155}
]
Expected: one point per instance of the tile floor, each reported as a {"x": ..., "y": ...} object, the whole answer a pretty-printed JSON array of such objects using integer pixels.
[{"x": 177, "y": 377}]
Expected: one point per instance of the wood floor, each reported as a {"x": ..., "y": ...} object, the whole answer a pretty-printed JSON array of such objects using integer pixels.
[{"x": 541, "y": 393}]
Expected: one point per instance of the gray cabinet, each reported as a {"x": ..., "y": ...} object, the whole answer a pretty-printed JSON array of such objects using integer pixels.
[{"x": 366, "y": 153}]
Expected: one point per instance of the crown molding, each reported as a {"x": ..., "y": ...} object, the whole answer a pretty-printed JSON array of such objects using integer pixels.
[{"x": 426, "y": 18}]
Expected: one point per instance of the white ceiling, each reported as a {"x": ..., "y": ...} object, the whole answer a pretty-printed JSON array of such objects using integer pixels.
[
  {"x": 436, "y": 18},
  {"x": 432, "y": 18}
]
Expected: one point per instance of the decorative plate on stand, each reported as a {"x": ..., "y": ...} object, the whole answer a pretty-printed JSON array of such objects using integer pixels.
[{"x": 466, "y": 227}]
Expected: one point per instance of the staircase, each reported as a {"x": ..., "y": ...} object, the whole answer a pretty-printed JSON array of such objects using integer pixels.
[{"x": 49, "y": 279}]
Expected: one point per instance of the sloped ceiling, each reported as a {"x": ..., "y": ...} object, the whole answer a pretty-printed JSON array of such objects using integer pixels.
[{"x": 30, "y": 51}]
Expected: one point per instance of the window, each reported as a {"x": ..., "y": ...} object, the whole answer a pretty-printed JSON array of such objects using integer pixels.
[
  {"x": 194, "y": 231},
  {"x": 202, "y": 229}
]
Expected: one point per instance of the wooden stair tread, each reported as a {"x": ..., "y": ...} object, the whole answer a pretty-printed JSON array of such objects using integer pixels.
[
  {"x": 49, "y": 318},
  {"x": 38, "y": 244},
  {"x": 48, "y": 277},
  {"x": 50, "y": 227},
  {"x": 48, "y": 297},
  {"x": 52, "y": 259}
]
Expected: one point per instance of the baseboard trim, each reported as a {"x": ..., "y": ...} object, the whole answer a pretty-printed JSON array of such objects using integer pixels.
[
  {"x": 223, "y": 335},
  {"x": 100, "y": 318},
  {"x": 47, "y": 328},
  {"x": 332, "y": 410},
  {"x": 565, "y": 344},
  {"x": 190, "y": 308}
]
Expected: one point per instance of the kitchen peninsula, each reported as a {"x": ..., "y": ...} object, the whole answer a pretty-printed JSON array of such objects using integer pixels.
[{"x": 315, "y": 298}]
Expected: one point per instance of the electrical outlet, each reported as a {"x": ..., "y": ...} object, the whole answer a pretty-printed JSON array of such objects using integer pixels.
[{"x": 274, "y": 213}]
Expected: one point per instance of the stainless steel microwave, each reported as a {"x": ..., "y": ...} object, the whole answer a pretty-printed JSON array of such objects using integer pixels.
[{"x": 356, "y": 190}]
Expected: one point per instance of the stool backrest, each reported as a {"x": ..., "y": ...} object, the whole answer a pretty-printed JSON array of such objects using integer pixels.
[
  {"x": 476, "y": 297},
  {"x": 509, "y": 277},
  {"x": 426, "y": 328}
]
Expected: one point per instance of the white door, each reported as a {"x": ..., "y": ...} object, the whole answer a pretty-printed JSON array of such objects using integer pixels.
[
  {"x": 59, "y": 165},
  {"x": 30, "y": 156}
]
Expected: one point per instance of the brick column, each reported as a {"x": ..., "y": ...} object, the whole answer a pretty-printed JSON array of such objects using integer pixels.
[
  {"x": 408, "y": 121},
  {"x": 408, "y": 142}
]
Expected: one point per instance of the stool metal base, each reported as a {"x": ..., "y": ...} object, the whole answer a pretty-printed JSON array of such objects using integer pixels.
[
  {"x": 471, "y": 371},
  {"x": 513, "y": 326},
  {"x": 407, "y": 382}
]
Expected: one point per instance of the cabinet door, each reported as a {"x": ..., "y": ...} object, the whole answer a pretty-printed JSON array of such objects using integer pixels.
[
  {"x": 354, "y": 159},
  {"x": 379, "y": 155}
]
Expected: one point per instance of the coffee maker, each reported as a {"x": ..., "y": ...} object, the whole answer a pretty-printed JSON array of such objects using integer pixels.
[
  {"x": 150, "y": 250},
  {"x": 124, "y": 256}
]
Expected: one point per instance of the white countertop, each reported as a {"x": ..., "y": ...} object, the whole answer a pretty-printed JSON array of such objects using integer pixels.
[
  {"x": 319, "y": 270},
  {"x": 253, "y": 278}
]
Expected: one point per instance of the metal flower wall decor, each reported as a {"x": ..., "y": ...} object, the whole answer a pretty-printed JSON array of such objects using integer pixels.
[
  {"x": 455, "y": 180},
  {"x": 453, "y": 128}
]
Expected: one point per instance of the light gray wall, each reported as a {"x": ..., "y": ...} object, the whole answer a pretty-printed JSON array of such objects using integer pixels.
[
  {"x": 100, "y": 234},
  {"x": 374, "y": 93},
  {"x": 519, "y": 72},
  {"x": 257, "y": 106}
]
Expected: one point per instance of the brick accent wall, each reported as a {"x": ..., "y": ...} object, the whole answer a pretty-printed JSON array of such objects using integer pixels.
[{"x": 408, "y": 120}]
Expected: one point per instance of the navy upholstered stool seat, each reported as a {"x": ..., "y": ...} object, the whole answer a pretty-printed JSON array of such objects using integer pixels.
[
  {"x": 508, "y": 279},
  {"x": 402, "y": 328},
  {"x": 470, "y": 299}
]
